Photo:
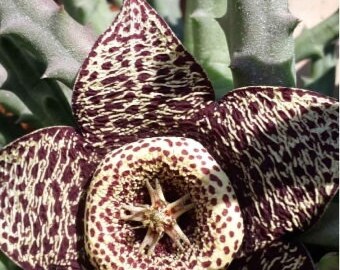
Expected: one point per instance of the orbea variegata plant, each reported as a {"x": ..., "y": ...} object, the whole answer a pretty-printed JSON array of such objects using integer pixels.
[{"x": 159, "y": 175}]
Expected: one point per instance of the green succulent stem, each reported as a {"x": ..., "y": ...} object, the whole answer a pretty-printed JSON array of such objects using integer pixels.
[
  {"x": 261, "y": 45},
  {"x": 205, "y": 39},
  {"x": 41, "y": 50},
  {"x": 312, "y": 42},
  {"x": 95, "y": 13},
  {"x": 33, "y": 100},
  {"x": 319, "y": 46},
  {"x": 49, "y": 32}
]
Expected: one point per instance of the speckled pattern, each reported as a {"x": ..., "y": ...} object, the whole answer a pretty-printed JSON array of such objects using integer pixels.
[
  {"x": 138, "y": 81},
  {"x": 183, "y": 166},
  {"x": 277, "y": 146},
  {"x": 42, "y": 178},
  {"x": 280, "y": 255}
]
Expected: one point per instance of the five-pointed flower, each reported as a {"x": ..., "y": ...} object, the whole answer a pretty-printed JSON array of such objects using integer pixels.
[{"x": 229, "y": 181}]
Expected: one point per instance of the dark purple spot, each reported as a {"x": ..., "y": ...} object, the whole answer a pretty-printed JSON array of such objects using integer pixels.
[
  {"x": 162, "y": 57},
  {"x": 39, "y": 189}
]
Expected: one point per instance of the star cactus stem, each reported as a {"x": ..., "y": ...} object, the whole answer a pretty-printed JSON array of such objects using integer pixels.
[{"x": 175, "y": 190}]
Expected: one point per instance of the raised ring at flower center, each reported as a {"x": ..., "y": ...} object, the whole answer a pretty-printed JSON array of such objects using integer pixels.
[{"x": 162, "y": 202}]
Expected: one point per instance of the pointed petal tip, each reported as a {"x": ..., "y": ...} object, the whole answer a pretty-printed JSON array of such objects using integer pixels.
[
  {"x": 279, "y": 146},
  {"x": 137, "y": 58},
  {"x": 43, "y": 175}
]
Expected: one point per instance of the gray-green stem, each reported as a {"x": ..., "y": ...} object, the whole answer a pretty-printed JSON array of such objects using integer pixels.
[
  {"x": 311, "y": 43},
  {"x": 260, "y": 41}
]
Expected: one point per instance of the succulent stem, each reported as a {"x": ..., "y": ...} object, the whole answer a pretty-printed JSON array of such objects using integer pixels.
[
  {"x": 312, "y": 42},
  {"x": 45, "y": 29},
  {"x": 260, "y": 41},
  {"x": 204, "y": 38}
]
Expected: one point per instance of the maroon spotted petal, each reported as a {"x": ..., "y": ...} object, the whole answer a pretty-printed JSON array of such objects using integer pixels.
[
  {"x": 138, "y": 81},
  {"x": 42, "y": 178},
  {"x": 279, "y": 147},
  {"x": 279, "y": 255}
]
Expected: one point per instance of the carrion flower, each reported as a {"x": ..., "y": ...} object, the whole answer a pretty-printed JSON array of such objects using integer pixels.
[
  {"x": 128, "y": 193},
  {"x": 159, "y": 175}
]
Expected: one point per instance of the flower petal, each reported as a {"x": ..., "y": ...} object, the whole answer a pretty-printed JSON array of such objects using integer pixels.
[
  {"x": 43, "y": 176},
  {"x": 138, "y": 81},
  {"x": 213, "y": 228},
  {"x": 279, "y": 147},
  {"x": 279, "y": 255}
]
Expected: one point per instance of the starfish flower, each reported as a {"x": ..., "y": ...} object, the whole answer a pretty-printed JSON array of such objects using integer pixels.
[
  {"x": 153, "y": 183},
  {"x": 158, "y": 175}
]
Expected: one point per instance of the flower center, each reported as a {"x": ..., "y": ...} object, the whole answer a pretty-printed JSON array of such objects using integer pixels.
[
  {"x": 121, "y": 199},
  {"x": 160, "y": 218},
  {"x": 157, "y": 219}
]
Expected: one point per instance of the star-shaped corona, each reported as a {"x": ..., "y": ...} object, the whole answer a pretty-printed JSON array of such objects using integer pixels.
[{"x": 160, "y": 218}]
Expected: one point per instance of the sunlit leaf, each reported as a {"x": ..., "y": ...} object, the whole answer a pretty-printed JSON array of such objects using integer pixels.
[
  {"x": 95, "y": 13},
  {"x": 205, "y": 39}
]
